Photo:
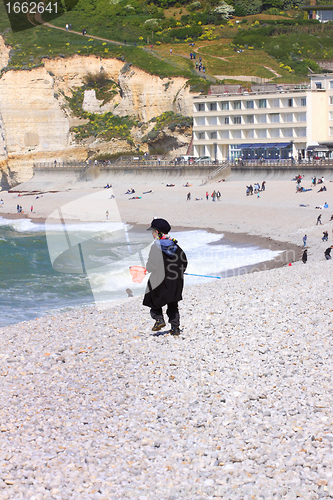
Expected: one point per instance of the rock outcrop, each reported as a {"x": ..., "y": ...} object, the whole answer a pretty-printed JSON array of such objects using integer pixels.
[{"x": 35, "y": 119}]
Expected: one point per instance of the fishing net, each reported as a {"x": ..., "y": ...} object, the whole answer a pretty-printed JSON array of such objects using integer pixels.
[{"x": 138, "y": 273}]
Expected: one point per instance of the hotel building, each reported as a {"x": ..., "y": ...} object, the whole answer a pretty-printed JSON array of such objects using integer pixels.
[{"x": 271, "y": 121}]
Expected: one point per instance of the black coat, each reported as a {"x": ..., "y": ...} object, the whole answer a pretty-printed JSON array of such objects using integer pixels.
[{"x": 166, "y": 281}]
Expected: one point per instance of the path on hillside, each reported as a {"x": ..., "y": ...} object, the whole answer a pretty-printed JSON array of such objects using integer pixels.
[{"x": 37, "y": 17}]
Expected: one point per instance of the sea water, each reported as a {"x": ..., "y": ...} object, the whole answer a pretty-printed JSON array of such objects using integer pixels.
[{"x": 46, "y": 269}]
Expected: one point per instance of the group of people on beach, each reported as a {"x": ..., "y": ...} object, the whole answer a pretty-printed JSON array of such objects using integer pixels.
[
  {"x": 327, "y": 253},
  {"x": 255, "y": 188}
]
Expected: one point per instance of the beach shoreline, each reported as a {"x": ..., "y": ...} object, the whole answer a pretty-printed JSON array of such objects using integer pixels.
[{"x": 96, "y": 405}]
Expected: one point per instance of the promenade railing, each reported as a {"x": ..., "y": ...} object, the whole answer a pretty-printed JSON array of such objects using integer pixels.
[{"x": 140, "y": 162}]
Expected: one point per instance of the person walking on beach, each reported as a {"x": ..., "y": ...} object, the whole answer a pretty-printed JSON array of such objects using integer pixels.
[
  {"x": 318, "y": 220},
  {"x": 207, "y": 195},
  {"x": 305, "y": 256},
  {"x": 167, "y": 263},
  {"x": 328, "y": 253},
  {"x": 325, "y": 236},
  {"x": 304, "y": 240},
  {"x": 107, "y": 215},
  {"x": 188, "y": 198}
]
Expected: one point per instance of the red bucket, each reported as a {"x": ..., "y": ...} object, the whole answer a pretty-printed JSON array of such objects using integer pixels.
[{"x": 138, "y": 273}]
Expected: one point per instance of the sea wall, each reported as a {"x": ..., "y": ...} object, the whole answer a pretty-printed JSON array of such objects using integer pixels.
[{"x": 277, "y": 173}]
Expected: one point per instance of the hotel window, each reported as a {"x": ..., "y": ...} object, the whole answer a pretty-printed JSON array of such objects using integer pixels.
[
  {"x": 224, "y": 134},
  {"x": 300, "y": 132},
  {"x": 274, "y": 132},
  {"x": 213, "y": 120},
  {"x": 212, "y": 106},
  {"x": 249, "y": 134},
  {"x": 237, "y": 134},
  {"x": 331, "y": 115},
  {"x": 331, "y": 100},
  {"x": 250, "y": 104},
  {"x": 237, "y": 105},
  {"x": 226, "y": 120},
  {"x": 262, "y": 119},
  {"x": 288, "y": 117},
  {"x": 331, "y": 130},
  {"x": 331, "y": 84},
  {"x": 250, "y": 119},
  {"x": 262, "y": 103},
  {"x": 275, "y": 103},
  {"x": 201, "y": 135},
  {"x": 201, "y": 106},
  {"x": 301, "y": 117},
  {"x": 225, "y": 106},
  {"x": 213, "y": 135},
  {"x": 274, "y": 117},
  {"x": 288, "y": 132},
  {"x": 290, "y": 103},
  {"x": 237, "y": 119},
  {"x": 319, "y": 85},
  {"x": 199, "y": 120},
  {"x": 303, "y": 101},
  {"x": 262, "y": 134}
]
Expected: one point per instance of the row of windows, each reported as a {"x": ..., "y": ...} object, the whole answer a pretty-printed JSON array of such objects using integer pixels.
[
  {"x": 253, "y": 134},
  {"x": 251, "y": 104},
  {"x": 264, "y": 118}
]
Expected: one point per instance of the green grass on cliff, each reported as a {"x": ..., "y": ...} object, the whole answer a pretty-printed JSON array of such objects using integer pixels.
[{"x": 266, "y": 48}]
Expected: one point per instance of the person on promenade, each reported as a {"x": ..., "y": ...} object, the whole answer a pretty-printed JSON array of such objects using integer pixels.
[
  {"x": 328, "y": 253},
  {"x": 304, "y": 240},
  {"x": 167, "y": 263},
  {"x": 325, "y": 236},
  {"x": 305, "y": 256},
  {"x": 318, "y": 220}
]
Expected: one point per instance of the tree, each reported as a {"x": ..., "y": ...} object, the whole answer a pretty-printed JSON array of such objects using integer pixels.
[{"x": 224, "y": 10}]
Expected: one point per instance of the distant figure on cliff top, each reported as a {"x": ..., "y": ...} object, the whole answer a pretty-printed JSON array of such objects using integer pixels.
[
  {"x": 170, "y": 52},
  {"x": 67, "y": 27},
  {"x": 84, "y": 31}
]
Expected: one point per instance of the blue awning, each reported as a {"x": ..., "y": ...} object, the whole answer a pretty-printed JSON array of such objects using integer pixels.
[
  {"x": 246, "y": 146},
  {"x": 282, "y": 145},
  {"x": 270, "y": 145}
]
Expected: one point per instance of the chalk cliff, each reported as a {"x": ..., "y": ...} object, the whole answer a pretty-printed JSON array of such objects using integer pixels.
[{"x": 35, "y": 119}]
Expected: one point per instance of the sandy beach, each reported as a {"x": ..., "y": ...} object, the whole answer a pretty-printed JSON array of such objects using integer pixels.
[{"x": 95, "y": 405}]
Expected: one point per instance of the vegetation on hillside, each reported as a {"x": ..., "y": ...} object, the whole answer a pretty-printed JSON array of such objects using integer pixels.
[
  {"x": 270, "y": 33},
  {"x": 169, "y": 120}
]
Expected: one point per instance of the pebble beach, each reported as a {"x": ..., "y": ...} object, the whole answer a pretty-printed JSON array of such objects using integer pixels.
[{"x": 94, "y": 405}]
